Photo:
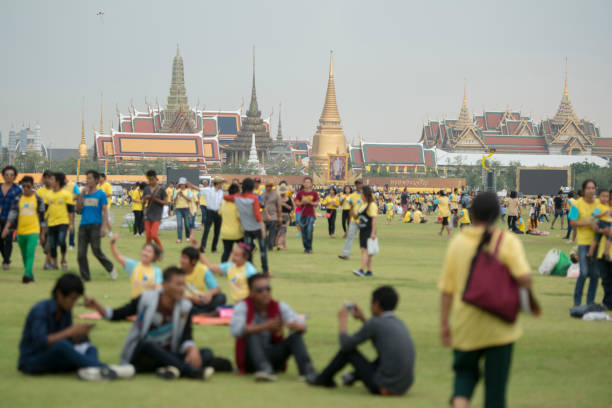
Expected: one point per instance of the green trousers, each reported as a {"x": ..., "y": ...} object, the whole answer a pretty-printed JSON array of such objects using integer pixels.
[
  {"x": 466, "y": 365},
  {"x": 27, "y": 244}
]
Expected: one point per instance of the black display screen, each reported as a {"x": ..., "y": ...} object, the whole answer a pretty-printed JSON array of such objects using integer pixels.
[
  {"x": 192, "y": 175},
  {"x": 542, "y": 181}
]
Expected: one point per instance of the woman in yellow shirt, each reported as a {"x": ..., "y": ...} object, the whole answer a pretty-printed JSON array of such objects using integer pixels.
[
  {"x": 366, "y": 221},
  {"x": 60, "y": 218},
  {"x": 136, "y": 196},
  {"x": 444, "y": 212},
  {"x": 29, "y": 215},
  {"x": 581, "y": 218},
  {"x": 471, "y": 332},
  {"x": 182, "y": 198},
  {"x": 331, "y": 203},
  {"x": 231, "y": 228},
  {"x": 346, "y": 207}
]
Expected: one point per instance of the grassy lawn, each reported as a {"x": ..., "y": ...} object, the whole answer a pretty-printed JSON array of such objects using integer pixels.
[{"x": 559, "y": 362}]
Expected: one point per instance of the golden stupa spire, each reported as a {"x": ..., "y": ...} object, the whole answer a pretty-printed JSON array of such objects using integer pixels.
[
  {"x": 565, "y": 90},
  {"x": 565, "y": 111},
  {"x": 83, "y": 144},
  {"x": 101, "y": 114},
  {"x": 330, "y": 112},
  {"x": 464, "y": 116}
]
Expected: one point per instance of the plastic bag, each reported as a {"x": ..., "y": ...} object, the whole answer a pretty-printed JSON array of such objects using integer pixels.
[
  {"x": 373, "y": 248},
  {"x": 573, "y": 271},
  {"x": 562, "y": 266},
  {"x": 550, "y": 261}
]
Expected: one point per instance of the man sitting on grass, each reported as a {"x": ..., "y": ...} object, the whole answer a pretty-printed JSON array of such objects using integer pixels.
[
  {"x": 202, "y": 287},
  {"x": 50, "y": 343},
  {"x": 393, "y": 371},
  {"x": 258, "y": 324},
  {"x": 160, "y": 340}
]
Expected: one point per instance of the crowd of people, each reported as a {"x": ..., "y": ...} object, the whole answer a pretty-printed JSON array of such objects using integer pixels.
[{"x": 248, "y": 216}]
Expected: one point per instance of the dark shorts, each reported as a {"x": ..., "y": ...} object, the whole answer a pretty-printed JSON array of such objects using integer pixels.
[
  {"x": 559, "y": 212},
  {"x": 444, "y": 220},
  {"x": 364, "y": 234}
]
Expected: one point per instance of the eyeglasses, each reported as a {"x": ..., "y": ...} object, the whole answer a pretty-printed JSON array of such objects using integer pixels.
[{"x": 263, "y": 289}]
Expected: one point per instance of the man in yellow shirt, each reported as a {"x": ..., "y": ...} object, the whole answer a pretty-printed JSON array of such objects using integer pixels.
[
  {"x": 355, "y": 202},
  {"x": 201, "y": 286},
  {"x": 108, "y": 190},
  {"x": 444, "y": 212},
  {"x": 136, "y": 196}
]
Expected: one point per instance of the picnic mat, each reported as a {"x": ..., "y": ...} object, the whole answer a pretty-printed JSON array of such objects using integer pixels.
[{"x": 201, "y": 320}]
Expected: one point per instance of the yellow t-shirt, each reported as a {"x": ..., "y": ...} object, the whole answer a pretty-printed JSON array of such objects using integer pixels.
[
  {"x": 202, "y": 198},
  {"x": 170, "y": 193},
  {"x": 27, "y": 220},
  {"x": 372, "y": 210},
  {"x": 346, "y": 204},
  {"x": 407, "y": 216},
  {"x": 136, "y": 195},
  {"x": 142, "y": 278},
  {"x": 237, "y": 278},
  {"x": 465, "y": 216},
  {"x": 231, "y": 228},
  {"x": 417, "y": 216},
  {"x": 605, "y": 208},
  {"x": 42, "y": 192},
  {"x": 331, "y": 203},
  {"x": 194, "y": 282},
  {"x": 455, "y": 201},
  {"x": 443, "y": 207},
  {"x": 57, "y": 207},
  {"x": 355, "y": 202},
  {"x": 585, "y": 235},
  {"x": 471, "y": 327},
  {"x": 521, "y": 225},
  {"x": 108, "y": 190},
  {"x": 181, "y": 200}
]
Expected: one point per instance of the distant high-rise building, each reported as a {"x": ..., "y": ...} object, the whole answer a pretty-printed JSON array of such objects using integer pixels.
[{"x": 26, "y": 139}]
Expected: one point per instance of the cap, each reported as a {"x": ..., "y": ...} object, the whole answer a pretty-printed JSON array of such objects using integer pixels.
[
  {"x": 182, "y": 180},
  {"x": 218, "y": 179}
]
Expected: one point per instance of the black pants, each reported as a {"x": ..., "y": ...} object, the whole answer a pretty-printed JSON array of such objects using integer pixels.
[
  {"x": 90, "y": 235},
  {"x": 331, "y": 222},
  {"x": 364, "y": 370},
  {"x": 512, "y": 219},
  {"x": 273, "y": 357},
  {"x": 346, "y": 215},
  {"x": 605, "y": 271},
  {"x": 148, "y": 356},
  {"x": 228, "y": 244},
  {"x": 212, "y": 217},
  {"x": 218, "y": 300},
  {"x": 249, "y": 238},
  {"x": 271, "y": 234},
  {"x": 57, "y": 237},
  {"x": 138, "y": 223},
  {"x": 6, "y": 244}
]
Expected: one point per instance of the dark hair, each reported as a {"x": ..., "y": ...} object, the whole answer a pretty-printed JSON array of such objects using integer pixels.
[
  {"x": 170, "y": 271},
  {"x": 585, "y": 183},
  {"x": 94, "y": 174},
  {"x": 151, "y": 173},
  {"x": 192, "y": 253},
  {"x": 386, "y": 297},
  {"x": 333, "y": 189},
  {"x": 349, "y": 187},
  {"x": 102, "y": 175},
  {"x": 157, "y": 252},
  {"x": 358, "y": 181},
  {"x": 571, "y": 194},
  {"x": 67, "y": 284},
  {"x": 255, "y": 278},
  {"x": 60, "y": 178},
  {"x": 513, "y": 194},
  {"x": 233, "y": 189},
  {"x": 47, "y": 173},
  {"x": 601, "y": 190},
  {"x": 367, "y": 193},
  {"x": 247, "y": 249},
  {"x": 248, "y": 185},
  {"x": 485, "y": 208},
  {"x": 307, "y": 178},
  {"x": 9, "y": 167},
  {"x": 27, "y": 179}
]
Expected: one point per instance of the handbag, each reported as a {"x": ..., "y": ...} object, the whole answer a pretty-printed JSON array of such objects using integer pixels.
[
  {"x": 373, "y": 248},
  {"x": 491, "y": 287}
]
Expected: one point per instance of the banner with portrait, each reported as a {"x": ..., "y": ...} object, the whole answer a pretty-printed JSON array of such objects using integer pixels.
[{"x": 338, "y": 168}]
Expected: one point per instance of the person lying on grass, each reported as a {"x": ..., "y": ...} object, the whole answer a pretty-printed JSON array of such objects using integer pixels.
[
  {"x": 257, "y": 325},
  {"x": 202, "y": 287},
  {"x": 161, "y": 337},
  {"x": 392, "y": 373},
  {"x": 144, "y": 276},
  {"x": 50, "y": 343}
]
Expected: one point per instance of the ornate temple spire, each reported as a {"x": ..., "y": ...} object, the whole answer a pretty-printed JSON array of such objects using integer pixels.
[
  {"x": 565, "y": 111},
  {"x": 330, "y": 114},
  {"x": 253, "y": 160},
  {"x": 279, "y": 134},
  {"x": 253, "y": 107},
  {"x": 465, "y": 119},
  {"x": 101, "y": 113},
  {"x": 178, "y": 93},
  {"x": 83, "y": 144}
]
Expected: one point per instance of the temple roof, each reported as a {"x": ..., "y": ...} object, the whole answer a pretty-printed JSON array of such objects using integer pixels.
[{"x": 565, "y": 111}]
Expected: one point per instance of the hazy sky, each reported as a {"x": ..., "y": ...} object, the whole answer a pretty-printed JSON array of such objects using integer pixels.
[{"x": 396, "y": 62}]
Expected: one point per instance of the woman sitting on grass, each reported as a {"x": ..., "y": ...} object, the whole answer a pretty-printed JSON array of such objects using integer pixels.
[
  {"x": 144, "y": 276},
  {"x": 532, "y": 226}
]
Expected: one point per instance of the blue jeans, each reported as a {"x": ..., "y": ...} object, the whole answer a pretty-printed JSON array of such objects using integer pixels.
[
  {"x": 182, "y": 216},
  {"x": 203, "y": 209},
  {"x": 587, "y": 269},
  {"x": 60, "y": 357},
  {"x": 250, "y": 237},
  {"x": 57, "y": 237},
  {"x": 307, "y": 227}
]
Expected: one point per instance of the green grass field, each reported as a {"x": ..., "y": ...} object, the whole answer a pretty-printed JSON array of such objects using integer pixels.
[{"x": 559, "y": 362}]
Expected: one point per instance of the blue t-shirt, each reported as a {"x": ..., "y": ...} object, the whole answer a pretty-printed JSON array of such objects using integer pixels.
[{"x": 92, "y": 208}]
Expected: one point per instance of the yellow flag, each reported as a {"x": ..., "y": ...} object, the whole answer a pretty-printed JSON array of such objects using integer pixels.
[
  {"x": 396, "y": 169},
  {"x": 368, "y": 168},
  {"x": 415, "y": 169},
  {"x": 405, "y": 169},
  {"x": 387, "y": 168}
]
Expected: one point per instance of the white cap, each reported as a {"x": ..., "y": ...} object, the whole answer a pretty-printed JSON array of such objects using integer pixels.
[{"x": 182, "y": 180}]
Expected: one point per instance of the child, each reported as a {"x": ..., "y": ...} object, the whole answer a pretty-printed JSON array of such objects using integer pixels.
[
  {"x": 532, "y": 226},
  {"x": 520, "y": 226},
  {"x": 408, "y": 216},
  {"x": 29, "y": 214},
  {"x": 464, "y": 216},
  {"x": 417, "y": 216},
  {"x": 60, "y": 218},
  {"x": 238, "y": 270},
  {"x": 389, "y": 212},
  {"x": 604, "y": 215},
  {"x": 144, "y": 276}
]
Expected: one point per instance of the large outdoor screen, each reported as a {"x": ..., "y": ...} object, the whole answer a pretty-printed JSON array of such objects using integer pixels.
[{"x": 541, "y": 181}]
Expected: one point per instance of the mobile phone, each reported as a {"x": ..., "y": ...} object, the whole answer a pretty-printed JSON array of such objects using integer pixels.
[{"x": 350, "y": 306}]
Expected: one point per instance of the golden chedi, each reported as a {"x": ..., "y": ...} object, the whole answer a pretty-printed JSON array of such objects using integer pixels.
[{"x": 329, "y": 138}]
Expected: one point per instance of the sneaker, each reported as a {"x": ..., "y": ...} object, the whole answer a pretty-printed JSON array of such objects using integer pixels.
[
  {"x": 207, "y": 373},
  {"x": 123, "y": 371},
  {"x": 96, "y": 374},
  {"x": 71, "y": 247},
  {"x": 264, "y": 376},
  {"x": 358, "y": 272},
  {"x": 346, "y": 258},
  {"x": 6, "y": 266},
  {"x": 64, "y": 266},
  {"x": 368, "y": 273},
  {"x": 348, "y": 379},
  {"x": 27, "y": 279},
  {"x": 178, "y": 241},
  {"x": 49, "y": 267},
  {"x": 113, "y": 274},
  {"x": 313, "y": 379},
  {"x": 168, "y": 373}
]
